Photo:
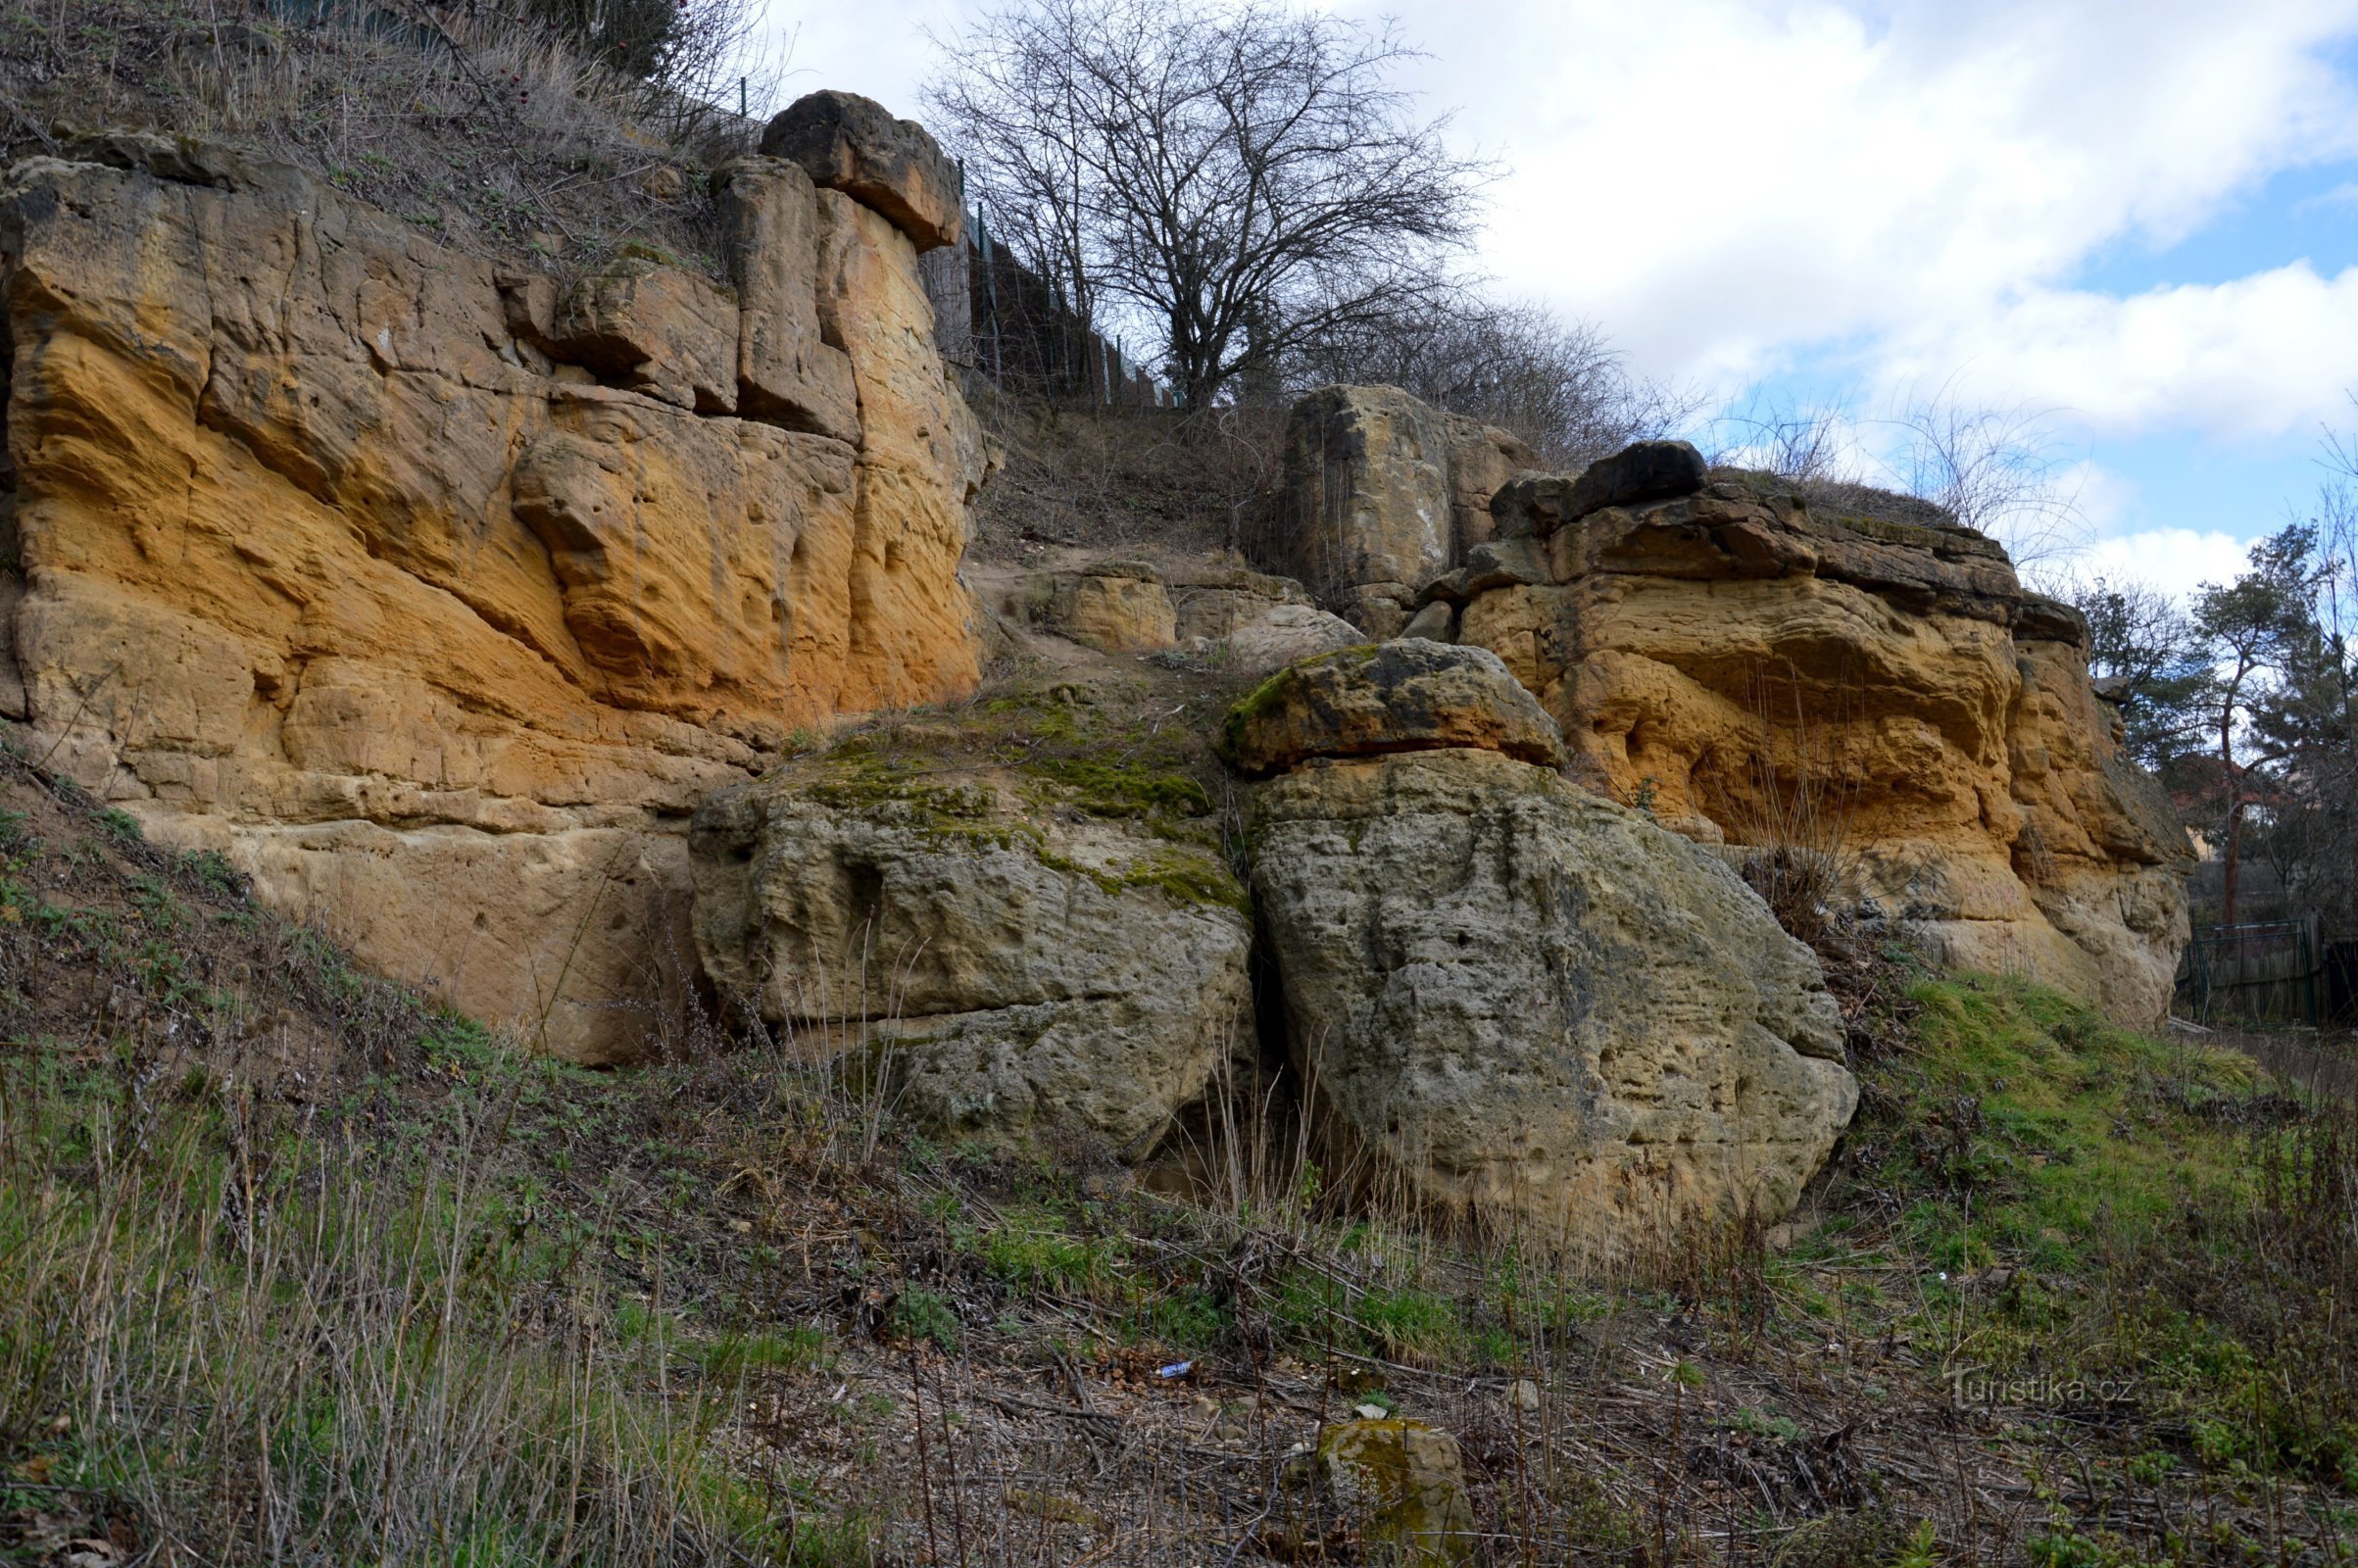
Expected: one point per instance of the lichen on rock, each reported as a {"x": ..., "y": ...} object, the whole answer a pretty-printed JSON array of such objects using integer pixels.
[{"x": 1013, "y": 960}]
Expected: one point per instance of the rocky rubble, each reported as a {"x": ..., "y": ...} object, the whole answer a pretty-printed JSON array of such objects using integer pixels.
[{"x": 437, "y": 596}]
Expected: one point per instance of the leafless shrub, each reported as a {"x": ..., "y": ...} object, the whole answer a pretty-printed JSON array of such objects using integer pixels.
[
  {"x": 1120, "y": 479},
  {"x": 1559, "y": 385},
  {"x": 2000, "y": 471}
]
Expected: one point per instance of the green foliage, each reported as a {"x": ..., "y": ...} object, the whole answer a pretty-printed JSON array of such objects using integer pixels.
[
  {"x": 219, "y": 1226},
  {"x": 918, "y": 1314},
  {"x": 735, "y": 1357}
]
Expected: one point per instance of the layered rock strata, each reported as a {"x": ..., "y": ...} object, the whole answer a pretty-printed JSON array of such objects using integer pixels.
[
  {"x": 1864, "y": 679},
  {"x": 1846, "y": 669},
  {"x": 438, "y": 595},
  {"x": 1003, "y": 959},
  {"x": 1513, "y": 996}
]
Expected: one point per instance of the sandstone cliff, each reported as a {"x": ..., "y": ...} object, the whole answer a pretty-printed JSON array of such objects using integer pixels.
[
  {"x": 1869, "y": 679},
  {"x": 439, "y": 597}
]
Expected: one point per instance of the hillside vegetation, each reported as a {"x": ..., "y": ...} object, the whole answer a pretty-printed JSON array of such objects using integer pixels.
[{"x": 293, "y": 1268}]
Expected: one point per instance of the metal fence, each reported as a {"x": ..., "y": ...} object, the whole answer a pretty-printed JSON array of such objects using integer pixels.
[
  {"x": 1001, "y": 320},
  {"x": 2262, "y": 972}
]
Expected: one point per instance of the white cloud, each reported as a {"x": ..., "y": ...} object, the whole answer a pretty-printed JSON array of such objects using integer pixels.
[
  {"x": 2252, "y": 358},
  {"x": 1725, "y": 183},
  {"x": 1901, "y": 192},
  {"x": 2177, "y": 560}
]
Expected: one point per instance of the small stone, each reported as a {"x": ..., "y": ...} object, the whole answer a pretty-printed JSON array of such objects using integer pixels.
[
  {"x": 1404, "y": 1483},
  {"x": 1435, "y": 623},
  {"x": 1523, "y": 1394}
]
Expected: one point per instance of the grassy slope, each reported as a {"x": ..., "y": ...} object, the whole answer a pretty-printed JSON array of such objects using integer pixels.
[{"x": 289, "y": 1263}]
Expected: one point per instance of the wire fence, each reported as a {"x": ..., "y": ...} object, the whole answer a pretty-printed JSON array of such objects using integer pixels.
[
  {"x": 2266, "y": 972},
  {"x": 998, "y": 318}
]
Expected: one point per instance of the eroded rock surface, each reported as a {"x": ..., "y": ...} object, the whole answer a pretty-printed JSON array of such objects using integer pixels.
[
  {"x": 1246, "y": 620},
  {"x": 1383, "y": 494},
  {"x": 437, "y": 596},
  {"x": 1375, "y": 698},
  {"x": 855, "y": 145},
  {"x": 1005, "y": 962},
  {"x": 1762, "y": 666},
  {"x": 1529, "y": 1002}
]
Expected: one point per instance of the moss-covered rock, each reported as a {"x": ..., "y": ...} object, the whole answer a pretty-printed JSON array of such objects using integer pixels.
[
  {"x": 1011, "y": 949},
  {"x": 1404, "y": 695},
  {"x": 1403, "y": 1484}
]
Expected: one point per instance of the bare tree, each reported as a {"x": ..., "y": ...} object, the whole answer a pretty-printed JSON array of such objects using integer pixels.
[
  {"x": 1246, "y": 179},
  {"x": 1559, "y": 385}
]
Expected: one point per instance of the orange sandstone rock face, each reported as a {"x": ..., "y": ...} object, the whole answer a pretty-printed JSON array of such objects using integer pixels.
[
  {"x": 1755, "y": 668},
  {"x": 327, "y": 564}
]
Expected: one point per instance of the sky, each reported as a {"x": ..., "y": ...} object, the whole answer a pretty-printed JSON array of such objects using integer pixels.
[{"x": 2134, "y": 221}]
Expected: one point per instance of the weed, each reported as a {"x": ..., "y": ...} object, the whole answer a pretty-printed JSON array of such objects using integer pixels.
[{"x": 928, "y": 1315}]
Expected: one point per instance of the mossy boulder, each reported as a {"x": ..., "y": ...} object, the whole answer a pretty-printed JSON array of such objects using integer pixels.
[
  {"x": 1403, "y": 1484},
  {"x": 1010, "y": 953},
  {"x": 1408, "y": 695}
]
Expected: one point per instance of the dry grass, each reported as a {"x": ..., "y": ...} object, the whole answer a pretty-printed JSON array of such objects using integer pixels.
[
  {"x": 431, "y": 1301},
  {"x": 482, "y": 129},
  {"x": 1118, "y": 478}
]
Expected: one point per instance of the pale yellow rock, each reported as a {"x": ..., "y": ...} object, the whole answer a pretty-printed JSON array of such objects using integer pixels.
[
  {"x": 1520, "y": 999},
  {"x": 327, "y": 566},
  {"x": 787, "y": 370},
  {"x": 1383, "y": 494},
  {"x": 1115, "y": 612},
  {"x": 655, "y": 328},
  {"x": 1003, "y": 959}
]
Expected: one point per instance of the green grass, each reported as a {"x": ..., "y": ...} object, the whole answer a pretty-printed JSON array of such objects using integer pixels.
[
  {"x": 2156, "y": 1216},
  {"x": 201, "y": 1295},
  {"x": 2068, "y": 1129}
]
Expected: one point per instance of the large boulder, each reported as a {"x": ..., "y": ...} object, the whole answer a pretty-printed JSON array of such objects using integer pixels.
[
  {"x": 855, "y": 145},
  {"x": 1240, "y": 620},
  {"x": 1284, "y": 634},
  {"x": 1850, "y": 672},
  {"x": 1005, "y": 959},
  {"x": 1402, "y": 696},
  {"x": 1382, "y": 494},
  {"x": 1529, "y": 1002}
]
